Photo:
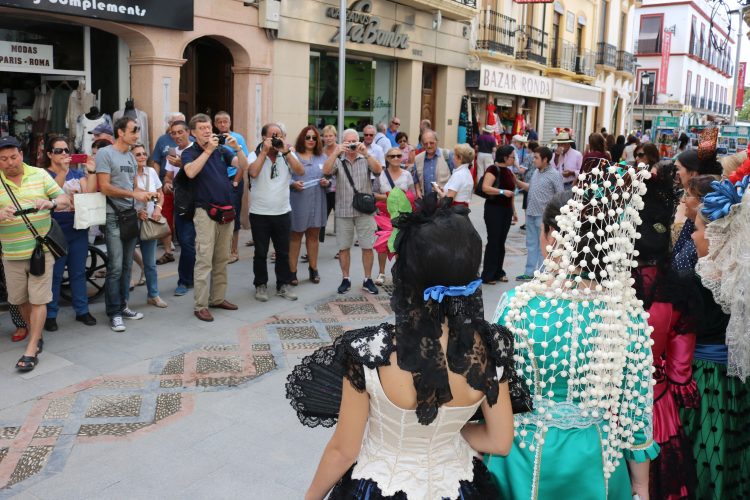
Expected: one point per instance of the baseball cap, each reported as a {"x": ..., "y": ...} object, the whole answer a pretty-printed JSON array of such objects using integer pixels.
[
  {"x": 102, "y": 128},
  {"x": 9, "y": 142}
]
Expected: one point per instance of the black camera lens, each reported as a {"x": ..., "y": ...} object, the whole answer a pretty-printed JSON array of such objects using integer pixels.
[
  {"x": 353, "y": 146},
  {"x": 277, "y": 143},
  {"x": 222, "y": 139}
]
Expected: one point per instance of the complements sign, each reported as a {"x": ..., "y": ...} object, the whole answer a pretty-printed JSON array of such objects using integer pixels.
[
  {"x": 174, "y": 14},
  {"x": 362, "y": 27},
  {"x": 505, "y": 81},
  {"x": 16, "y": 56}
]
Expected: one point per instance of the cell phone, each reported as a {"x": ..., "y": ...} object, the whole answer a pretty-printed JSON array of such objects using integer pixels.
[
  {"x": 434, "y": 185},
  {"x": 25, "y": 211},
  {"x": 79, "y": 158},
  {"x": 172, "y": 151}
]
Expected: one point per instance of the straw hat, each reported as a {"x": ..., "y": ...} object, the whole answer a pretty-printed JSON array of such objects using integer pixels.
[
  {"x": 519, "y": 138},
  {"x": 562, "y": 137}
]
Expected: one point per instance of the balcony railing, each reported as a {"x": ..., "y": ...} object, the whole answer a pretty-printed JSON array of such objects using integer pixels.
[
  {"x": 702, "y": 104},
  {"x": 468, "y": 3},
  {"x": 625, "y": 61},
  {"x": 719, "y": 60},
  {"x": 606, "y": 54},
  {"x": 532, "y": 45},
  {"x": 565, "y": 58},
  {"x": 497, "y": 32},
  {"x": 585, "y": 63}
]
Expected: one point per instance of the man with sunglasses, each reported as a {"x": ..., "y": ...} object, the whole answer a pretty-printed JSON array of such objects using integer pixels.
[
  {"x": 115, "y": 170},
  {"x": 368, "y": 138},
  {"x": 270, "y": 212},
  {"x": 393, "y": 130}
]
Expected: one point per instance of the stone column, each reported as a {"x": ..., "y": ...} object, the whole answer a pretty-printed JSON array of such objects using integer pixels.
[
  {"x": 247, "y": 117},
  {"x": 409, "y": 97},
  {"x": 450, "y": 88}
]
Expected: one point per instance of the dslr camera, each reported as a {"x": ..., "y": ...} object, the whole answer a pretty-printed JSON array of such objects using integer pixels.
[{"x": 276, "y": 142}]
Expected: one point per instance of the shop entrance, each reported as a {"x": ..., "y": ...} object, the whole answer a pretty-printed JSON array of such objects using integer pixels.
[
  {"x": 206, "y": 78},
  {"x": 429, "y": 80}
]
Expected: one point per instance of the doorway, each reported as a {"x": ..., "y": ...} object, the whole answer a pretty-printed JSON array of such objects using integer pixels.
[
  {"x": 206, "y": 78},
  {"x": 429, "y": 81}
]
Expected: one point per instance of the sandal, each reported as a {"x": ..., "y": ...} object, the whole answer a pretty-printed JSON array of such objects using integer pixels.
[
  {"x": 233, "y": 258},
  {"x": 39, "y": 347},
  {"x": 294, "y": 281},
  {"x": 337, "y": 255},
  {"x": 167, "y": 257},
  {"x": 27, "y": 363},
  {"x": 17, "y": 337},
  {"x": 250, "y": 243},
  {"x": 314, "y": 276},
  {"x": 141, "y": 281},
  {"x": 503, "y": 279},
  {"x": 305, "y": 258}
]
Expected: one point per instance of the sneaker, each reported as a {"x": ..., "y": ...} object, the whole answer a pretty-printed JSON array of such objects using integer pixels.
[
  {"x": 345, "y": 286},
  {"x": 380, "y": 280},
  {"x": 157, "y": 301},
  {"x": 285, "y": 292},
  {"x": 524, "y": 277},
  {"x": 180, "y": 290},
  {"x": 128, "y": 313},
  {"x": 369, "y": 286},
  {"x": 261, "y": 293},
  {"x": 117, "y": 324},
  {"x": 50, "y": 324}
]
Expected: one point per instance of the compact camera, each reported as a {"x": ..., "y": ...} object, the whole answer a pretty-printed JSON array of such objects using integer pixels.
[
  {"x": 222, "y": 138},
  {"x": 276, "y": 142},
  {"x": 353, "y": 145}
]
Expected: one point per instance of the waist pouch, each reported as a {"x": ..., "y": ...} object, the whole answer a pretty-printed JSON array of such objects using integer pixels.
[{"x": 223, "y": 214}]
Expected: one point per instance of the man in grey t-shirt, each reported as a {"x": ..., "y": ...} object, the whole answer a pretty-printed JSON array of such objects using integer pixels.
[{"x": 115, "y": 169}]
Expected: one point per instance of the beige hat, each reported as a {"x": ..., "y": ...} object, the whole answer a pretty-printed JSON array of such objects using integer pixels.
[
  {"x": 562, "y": 137},
  {"x": 488, "y": 129},
  {"x": 519, "y": 138}
]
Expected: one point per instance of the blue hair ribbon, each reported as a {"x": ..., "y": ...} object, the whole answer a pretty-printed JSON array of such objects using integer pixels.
[
  {"x": 438, "y": 292},
  {"x": 718, "y": 202}
]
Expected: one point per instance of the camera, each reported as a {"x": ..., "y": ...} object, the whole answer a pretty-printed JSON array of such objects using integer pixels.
[
  {"x": 276, "y": 142},
  {"x": 222, "y": 138},
  {"x": 353, "y": 145}
]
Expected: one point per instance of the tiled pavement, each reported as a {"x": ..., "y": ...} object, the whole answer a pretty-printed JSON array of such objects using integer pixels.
[{"x": 191, "y": 421}]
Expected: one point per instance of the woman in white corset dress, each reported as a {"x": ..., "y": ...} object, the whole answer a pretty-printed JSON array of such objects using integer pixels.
[{"x": 404, "y": 394}]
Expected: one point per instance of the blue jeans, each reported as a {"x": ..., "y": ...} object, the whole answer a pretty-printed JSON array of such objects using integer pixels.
[
  {"x": 186, "y": 235},
  {"x": 533, "y": 232},
  {"x": 119, "y": 266},
  {"x": 78, "y": 249},
  {"x": 148, "y": 252}
]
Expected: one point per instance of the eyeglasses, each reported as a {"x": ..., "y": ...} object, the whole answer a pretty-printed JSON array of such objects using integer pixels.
[
  {"x": 396, "y": 123},
  {"x": 369, "y": 135},
  {"x": 311, "y": 138},
  {"x": 136, "y": 129},
  {"x": 60, "y": 151},
  {"x": 391, "y": 157},
  {"x": 274, "y": 171},
  {"x": 140, "y": 154},
  {"x": 638, "y": 155}
]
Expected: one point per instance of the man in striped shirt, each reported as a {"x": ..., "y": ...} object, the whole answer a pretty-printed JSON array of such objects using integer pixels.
[{"x": 34, "y": 189}]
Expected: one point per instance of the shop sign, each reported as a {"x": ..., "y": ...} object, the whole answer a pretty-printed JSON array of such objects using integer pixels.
[
  {"x": 177, "y": 15},
  {"x": 740, "y": 103},
  {"x": 734, "y": 131},
  {"x": 506, "y": 81},
  {"x": 16, "y": 56},
  {"x": 363, "y": 27},
  {"x": 666, "y": 121},
  {"x": 666, "y": 47}
]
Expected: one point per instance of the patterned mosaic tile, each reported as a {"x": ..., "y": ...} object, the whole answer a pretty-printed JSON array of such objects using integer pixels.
[
  {"x": 3, "y": 453},
  {"x": 261, "y": 347},
  {"x": 92, "y": 430},
  {"x": 323, "y": 308},
  {"x": 292, "y": 321},
  {"x": 222, "y": 381},
  {"x": 60, "y": 407},
  {"x": 32, "y": 461},
  {"x": 171, "y": 383},
  {"x": 9, "y": 432},
  {"x": 264, "y": 363},
  {"x": 354, "y": 309},
  {"x": 120, "y": 384},
  {"x": 175, "y": 365},
  {"x": 220, "y": 347},
  {"x": 231, "y": 364},
  {"x": 114, "y": 406},
  {"x": 48, "y": 431},
  {"x": 297, "y": 332},
  {"x": 335, "y": 331},
  {"x": 301, "y": 346},
  {"x": 167, "y": 404}
]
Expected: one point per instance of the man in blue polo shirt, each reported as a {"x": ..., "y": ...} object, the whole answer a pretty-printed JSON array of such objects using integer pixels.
[
  {"x": 207, "y": 164},
  {"x": 223, "y": 124}
]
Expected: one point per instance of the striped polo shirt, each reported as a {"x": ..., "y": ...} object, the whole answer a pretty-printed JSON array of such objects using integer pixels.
[{"x": 17, "y": 241}]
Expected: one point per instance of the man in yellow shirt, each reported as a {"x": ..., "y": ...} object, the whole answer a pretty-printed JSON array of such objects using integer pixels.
[{"x": 34, "y": 189}]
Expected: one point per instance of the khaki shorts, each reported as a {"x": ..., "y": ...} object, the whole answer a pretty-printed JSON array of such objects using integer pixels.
[
  {"x": 365, "y": 226},
  {"x": 23, "y": 287}
]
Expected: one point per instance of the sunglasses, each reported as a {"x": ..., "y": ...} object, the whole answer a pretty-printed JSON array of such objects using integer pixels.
[
  {"x": 140, "y": 154},
  {"x": 369, "y": 135},
  {"x": 640, "y": 154},
  {"x": 311, "y": 138},
  {"x": 396, "y": 123},
  {"x": 60, "y": 151},
  {"x": 391, "y": 157}
]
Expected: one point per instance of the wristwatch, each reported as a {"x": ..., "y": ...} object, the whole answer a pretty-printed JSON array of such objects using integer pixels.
[
  {"x": 284, "y": 154},
  {"x": 501, "y": 192},
  {"x": 54, "y": 205},
  {"x": 235, "y": 183}
]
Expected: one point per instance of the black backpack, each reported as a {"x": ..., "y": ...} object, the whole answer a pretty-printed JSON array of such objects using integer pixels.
[{"x": 184, "y": 195}]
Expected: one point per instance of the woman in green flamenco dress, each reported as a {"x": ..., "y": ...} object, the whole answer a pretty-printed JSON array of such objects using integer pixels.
[{"x": 583, "y": 345}]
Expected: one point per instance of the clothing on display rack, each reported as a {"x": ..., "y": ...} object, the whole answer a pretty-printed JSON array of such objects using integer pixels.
[
  {"x": 42, "y": 108},
  {"x": 140, "y": 116},
  {"x": 59, "y": 107},
  {"x": 78, "y": 103},
  {"x": 84, "y": 125}
]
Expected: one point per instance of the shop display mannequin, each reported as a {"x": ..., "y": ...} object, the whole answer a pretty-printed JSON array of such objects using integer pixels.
[
  {"x": 85, "y": 124},
  {"x": 138, "y": 115},
  {"x": 78, "y": 102}
]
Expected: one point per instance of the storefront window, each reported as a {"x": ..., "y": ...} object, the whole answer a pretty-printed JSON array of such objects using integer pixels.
[
  {"x": 368, "y": 91},
  {"x": 66, "y": 39}
]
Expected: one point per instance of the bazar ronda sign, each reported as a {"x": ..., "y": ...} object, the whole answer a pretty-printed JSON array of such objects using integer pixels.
[
  {"x": 506, "y": 81},
  {"x": 363, "y": 27},
  {"x": 178, "y": 16}
]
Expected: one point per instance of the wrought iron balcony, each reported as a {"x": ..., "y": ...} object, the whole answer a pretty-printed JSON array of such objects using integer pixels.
[
  {"x": 606, "y": 54},
  {"x": 531, "y": 45},
  {"x": 564, "y": 57},
  {"x": 467, "y": 3},
  {"x": 625, "y": 61},
  {"x": 585, "y": 63},
  {"x": 497, "y": 32}
]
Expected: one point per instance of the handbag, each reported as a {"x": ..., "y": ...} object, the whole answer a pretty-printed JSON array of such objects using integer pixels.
[
  {"x": 361, "y": 202},
  {"x": 153, "y": 229},
  {"x": 90, "y": 210},
  {"x": 478, "y": 188},
  {"x": 127, "y": 221},
  {"x": 223, "y": 214}
]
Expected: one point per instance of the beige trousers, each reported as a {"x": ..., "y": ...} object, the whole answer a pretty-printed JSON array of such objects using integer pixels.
[{"x": 212, "y": 247}]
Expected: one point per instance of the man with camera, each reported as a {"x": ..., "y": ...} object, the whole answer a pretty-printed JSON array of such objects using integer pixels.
[
  {"x": 223, "y": 124},
  {"x": 207, "y": 164},
  {"x": 270, "y": 212},
  {"x": 355, "y": 204}
]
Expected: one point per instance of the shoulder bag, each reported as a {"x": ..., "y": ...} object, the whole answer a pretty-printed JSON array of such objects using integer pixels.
[
  {"x": 478, "y": 189},
  {"x": 54, "y": 240},
  {"x": 362, "y": 202},
  {"x": 152, "y": 229},
  {"x": 127, "y": 221}
]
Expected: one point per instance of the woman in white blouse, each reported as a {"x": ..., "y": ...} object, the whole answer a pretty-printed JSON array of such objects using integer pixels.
[{"x": 460, "y": 186}]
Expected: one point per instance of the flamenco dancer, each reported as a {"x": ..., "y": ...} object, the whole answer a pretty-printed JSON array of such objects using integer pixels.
[
  {"x": 719, "y": 428},
  {"x": 582, "y": 343},
  {"x": 403, "y": 394}
]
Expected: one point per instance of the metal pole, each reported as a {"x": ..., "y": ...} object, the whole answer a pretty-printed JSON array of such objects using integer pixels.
[
  {"x": 342, "y": 66},
  {"x": 643, "y": 112},
  {"x": 733, "y": 111}
]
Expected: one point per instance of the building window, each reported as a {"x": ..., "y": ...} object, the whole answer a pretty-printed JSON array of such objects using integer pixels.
[
  {"x": 693, "y": 49},
  {"x": 649, "y": 38},
  {"x": 688, "y": 87},
  {"x": 697, "y": 88},
  {"x": 647, "y": 92}
]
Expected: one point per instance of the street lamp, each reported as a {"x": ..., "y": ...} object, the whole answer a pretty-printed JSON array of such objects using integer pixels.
[{"x": 645, "y": 79}]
